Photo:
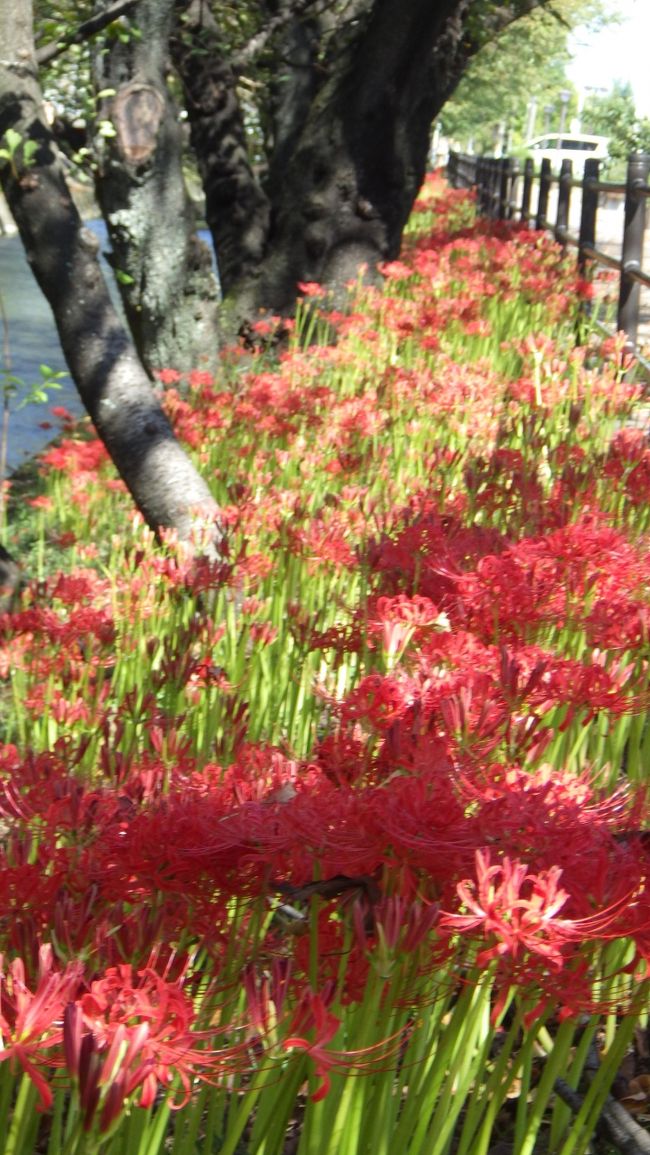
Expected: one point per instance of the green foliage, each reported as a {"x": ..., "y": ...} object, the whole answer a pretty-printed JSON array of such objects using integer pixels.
[
  {"x": 614, "y": 116},
  {"x": 527, "y": 62},
  {"x": 17, "y": 152}
]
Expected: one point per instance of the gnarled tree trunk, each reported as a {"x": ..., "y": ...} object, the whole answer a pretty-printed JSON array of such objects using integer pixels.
[
  {"x": 349, "y": 93},
  {"x": 352, "y": 113},
  {"x": 164, "y": 272},
  {"x": 236, "y": 208},
  {"x": 360, "y": 160},
  {"x": 63, "y": 255}
]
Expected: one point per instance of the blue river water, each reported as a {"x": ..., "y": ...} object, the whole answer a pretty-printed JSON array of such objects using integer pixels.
[{"x": 33, "y": 341}]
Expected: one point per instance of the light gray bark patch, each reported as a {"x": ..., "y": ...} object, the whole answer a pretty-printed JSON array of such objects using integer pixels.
[{"x": 137, "y": 112}]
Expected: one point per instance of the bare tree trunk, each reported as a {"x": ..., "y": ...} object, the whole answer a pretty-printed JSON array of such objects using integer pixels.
[
  {"x": 358, "y": 164},
  {"x": 63, "y": 255},
  {"x": 237, "y": 209},
  {"x": 350, "y": 119},
  {"x": 164, "y": 271},
  {"x": 293, "y": 87}
]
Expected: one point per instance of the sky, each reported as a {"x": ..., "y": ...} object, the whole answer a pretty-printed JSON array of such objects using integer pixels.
[{"x": 619, "y": 52}]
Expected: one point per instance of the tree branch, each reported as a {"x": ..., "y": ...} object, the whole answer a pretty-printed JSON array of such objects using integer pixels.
[
  {"x": 84, "y": 32},
  {"x": 615, "y": 1124},
  {"x": 258, "y": 42}
]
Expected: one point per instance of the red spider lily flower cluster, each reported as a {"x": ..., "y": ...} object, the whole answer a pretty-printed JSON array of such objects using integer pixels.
[
  {"x": 461, "y": 618},
  {"x": 131, "y": 1033}
]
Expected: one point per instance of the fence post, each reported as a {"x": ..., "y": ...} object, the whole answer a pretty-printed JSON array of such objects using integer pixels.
[
  {"x": 495, "y": 184},
  {"x": 513, "y": 190},
  {"x": 504, "y": 174},
  {"x": 638, "y": 168},
  {"x": 479, "y": 178},
  {"x": 486, "y": 187},
  {"x": 563, "y": 202},
  {"x": 545, "y": 178},
  {"x": 588, "y": 211},
  {"x": 529, "y": 171},
  {"x": 489, "y": 187}
]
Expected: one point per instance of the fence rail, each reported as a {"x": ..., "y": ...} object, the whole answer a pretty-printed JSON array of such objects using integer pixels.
[{"x": 505, "y": 191}]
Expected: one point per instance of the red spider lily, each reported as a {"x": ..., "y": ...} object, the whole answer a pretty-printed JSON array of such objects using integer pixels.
[
  {"x": 553, "y": 579},
  {"x": 310, "y": 1016},
  {"x": 31, "y": 1021},
  {"x": 71, "y": 456},
  {"x": 199, "y": 379},
  {"x": 379, "y": 700},
  {"x": 512, "y": 907},
  {"x": 266, "y": 995},
  {"x": 343, "y": 758},
  {"x": 399, "y": 924},
  {"x": 135, "y": 1033},
  {"x": 168, "y": 376},
  {"x": 312, "y": 289},
  {"x": 400, "y": 618},
  {"x": 313, "y": 1027}
]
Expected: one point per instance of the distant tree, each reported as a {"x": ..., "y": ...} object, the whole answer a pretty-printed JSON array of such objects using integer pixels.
[
  {"x": 528, "y": 62},
  {"x": 614, "y": 115}
]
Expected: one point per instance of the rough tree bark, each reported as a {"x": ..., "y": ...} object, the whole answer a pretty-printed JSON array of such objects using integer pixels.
[
  {"x": 356, "y": 116},
  {"x": 236, "y": 208},
  {"x": 350, "y": 91},
  {"x": 165, "y": 274},
  {"x": 359, "y": 162},
  {"x": 63, "y": 255},
  {"x": 293, "y": 87}
]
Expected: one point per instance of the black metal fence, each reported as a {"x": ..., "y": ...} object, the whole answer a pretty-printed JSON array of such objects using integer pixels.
[{"x": 506, "y": 190}]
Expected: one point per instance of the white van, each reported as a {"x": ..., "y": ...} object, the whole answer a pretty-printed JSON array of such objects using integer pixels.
[{"x": 575, "y": 147}]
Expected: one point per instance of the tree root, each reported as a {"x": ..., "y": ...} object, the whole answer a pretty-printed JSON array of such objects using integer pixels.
[{"x": 615, "y": 1124}]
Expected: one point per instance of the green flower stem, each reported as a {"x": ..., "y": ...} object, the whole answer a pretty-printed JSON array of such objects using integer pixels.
[
  {"x": 487, "y": 1098},
  {"x": 214, "y": 1120},
  {"x": 421, "y": 1059},
  {"x": 554, "y": 1066},
  {"x": 389, "y": 1087},
  {"x": 468, "y": 1064},
  {"x": 61, "y": 1097},
  {"x": 316, "y": 1121},
  {"x": 343, "y": 1118},
  {"x": 239, "y": 1113},
  {"x": 450, "y": 1045},
  {"x": 25, "y": 1120},
  {"x": 135, "y": 1130},
  {"x": 562, "y": 1117},
  {"x": 7, "y": 1091},
  {"x": 274, "y": 1111},
  {"x": 584, "y": 1124},
  {"x": 187, "y": 1123}
]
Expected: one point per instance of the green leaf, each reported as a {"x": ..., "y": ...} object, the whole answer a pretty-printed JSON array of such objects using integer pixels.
[
  {"x": 29, "y": 148},
  {"x": 51, "y": 375},
  {"x": 13, "y": 140}
]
